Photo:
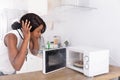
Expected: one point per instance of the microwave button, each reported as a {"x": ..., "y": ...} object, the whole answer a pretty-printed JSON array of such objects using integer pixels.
[{"x": 86, "y": 66}]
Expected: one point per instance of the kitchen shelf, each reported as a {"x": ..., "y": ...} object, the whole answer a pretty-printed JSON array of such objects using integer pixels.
[{"x": 83, "y": 7}]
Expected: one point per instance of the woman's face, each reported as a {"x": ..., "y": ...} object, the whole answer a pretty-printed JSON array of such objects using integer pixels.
[{"x": 37, "y": 32}]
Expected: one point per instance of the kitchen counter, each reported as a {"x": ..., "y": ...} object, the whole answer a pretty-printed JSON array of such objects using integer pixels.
[{"x": 63, "y": 74}]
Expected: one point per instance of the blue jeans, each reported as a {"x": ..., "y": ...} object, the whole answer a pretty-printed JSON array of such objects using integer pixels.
[{"x": 2, "y": 74}]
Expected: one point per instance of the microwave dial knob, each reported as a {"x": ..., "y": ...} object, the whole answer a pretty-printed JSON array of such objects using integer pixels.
[{"x": 86, "y": 59}]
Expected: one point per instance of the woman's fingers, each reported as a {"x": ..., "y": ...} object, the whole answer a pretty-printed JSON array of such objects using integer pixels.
[
  {"x": 22, "y": 24},
  {"x": 26, "y": 28},
  {"x": 25, "y": 24},
  {"x": 28, "y": 24},
  {"x": 30, "y": 27}
]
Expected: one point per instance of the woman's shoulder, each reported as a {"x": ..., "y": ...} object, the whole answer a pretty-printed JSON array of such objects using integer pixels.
[{"x": 12, "y": 33}]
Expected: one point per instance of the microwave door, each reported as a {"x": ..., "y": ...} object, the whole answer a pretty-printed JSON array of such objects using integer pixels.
[{"x": 55, "y": 59}]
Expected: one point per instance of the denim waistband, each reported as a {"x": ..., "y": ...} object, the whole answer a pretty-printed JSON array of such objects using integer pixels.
[{"x": 2, "y": 74}]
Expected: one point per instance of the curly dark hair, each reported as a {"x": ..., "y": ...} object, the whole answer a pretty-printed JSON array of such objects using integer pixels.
[{"x": 35, "y": 21}]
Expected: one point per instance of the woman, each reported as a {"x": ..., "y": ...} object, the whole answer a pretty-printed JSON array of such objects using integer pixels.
[{"x": 17, "y": 42}]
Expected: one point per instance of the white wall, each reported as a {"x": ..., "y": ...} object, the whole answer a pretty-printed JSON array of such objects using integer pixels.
[
  {"x": 97, "y": 27},
  {"x": 36, "y": 6},
  {"x": 13, "y": 4},
  {"x": 11, "y": 10}
]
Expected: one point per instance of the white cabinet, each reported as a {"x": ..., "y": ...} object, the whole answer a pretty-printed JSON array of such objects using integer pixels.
[
  {"x": 53, "y": 4},
  {"x": 33, "y": 63},
  {"x": 76, "y": 2},
  {"x": 37, "y": 6},
  {"x": 86, "y": 4}
]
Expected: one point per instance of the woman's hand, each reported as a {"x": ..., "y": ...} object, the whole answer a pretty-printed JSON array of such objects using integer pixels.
[
  {"x": 26, "y": 29},
  {"x": 34, "y": 45}
]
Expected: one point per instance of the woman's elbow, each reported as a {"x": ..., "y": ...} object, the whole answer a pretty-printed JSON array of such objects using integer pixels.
[{"x": 16, "y": 67}]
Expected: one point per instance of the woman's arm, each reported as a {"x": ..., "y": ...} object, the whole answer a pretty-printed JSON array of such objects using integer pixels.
[{"x": 17, "y": 56}]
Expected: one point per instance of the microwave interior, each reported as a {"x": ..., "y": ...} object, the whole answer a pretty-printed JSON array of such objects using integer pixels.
[
  {"x": 55, "y": 59},
  {"x": 75, "y": 59}
]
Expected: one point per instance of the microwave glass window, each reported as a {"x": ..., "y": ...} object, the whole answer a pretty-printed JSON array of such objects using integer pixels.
[{"x": 55, "y": 59}]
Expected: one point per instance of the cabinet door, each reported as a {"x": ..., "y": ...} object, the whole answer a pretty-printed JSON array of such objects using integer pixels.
[{"x": 39, "y": 7}]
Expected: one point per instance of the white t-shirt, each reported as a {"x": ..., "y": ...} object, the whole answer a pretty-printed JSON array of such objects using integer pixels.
[{"x": 5, "y": 64}]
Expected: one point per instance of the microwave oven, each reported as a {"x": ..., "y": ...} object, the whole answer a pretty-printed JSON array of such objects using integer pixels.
[
  {"x": 54, "y": 59},
  {"x": 87, "y": 60}
]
